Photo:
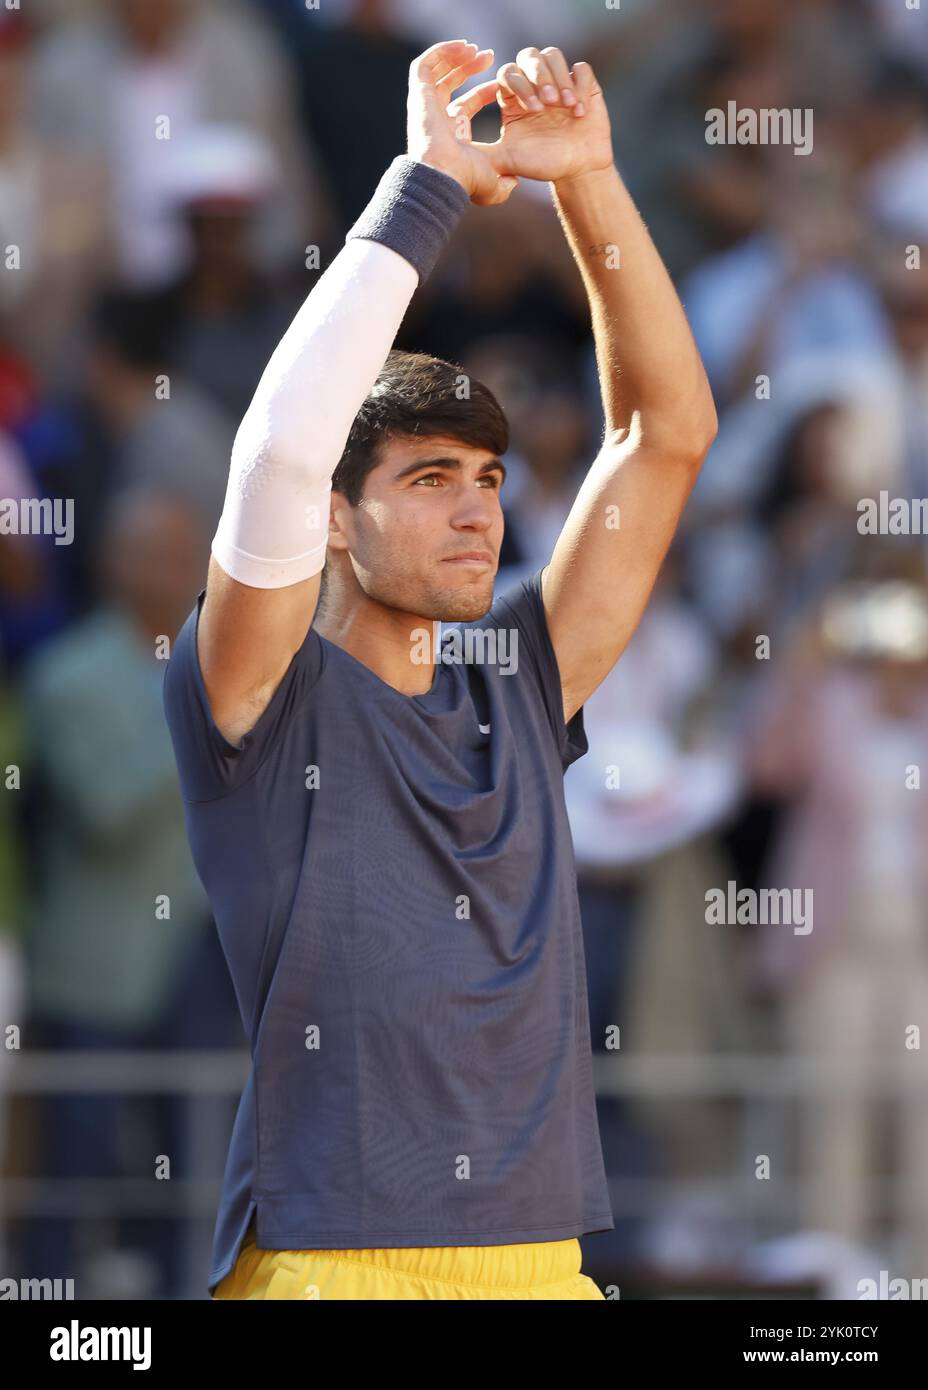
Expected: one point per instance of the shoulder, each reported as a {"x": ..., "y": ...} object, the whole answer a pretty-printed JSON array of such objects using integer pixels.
[
  {"x": 518, "y": 596},
  {"x": 210, "y": 766},
  {"x": 527, "y": 661}
]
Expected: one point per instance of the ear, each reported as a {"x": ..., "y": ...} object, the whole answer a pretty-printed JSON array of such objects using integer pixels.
[{"x": 339, "y": 508}]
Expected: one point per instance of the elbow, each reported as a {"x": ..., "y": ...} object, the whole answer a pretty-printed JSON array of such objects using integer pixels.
[
  {"x": 681, "y": 436},
  {"x": 697, "y": 434},
  {"x": 686, "y": 442},
  {"x": 703, "y": 423},
  {"x": 704, "y": 435},
  {"x": 684, "y": 430},
  {"x": 265, "y": 448}
]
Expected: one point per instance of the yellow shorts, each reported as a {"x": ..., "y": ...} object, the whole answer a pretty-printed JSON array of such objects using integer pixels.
[{"x": 544, "y": 1270}]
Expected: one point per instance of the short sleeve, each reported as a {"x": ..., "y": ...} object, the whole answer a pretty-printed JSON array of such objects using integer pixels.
[
  {"x": 523, "y": 607},
  {"x": 208, "y": 765}
]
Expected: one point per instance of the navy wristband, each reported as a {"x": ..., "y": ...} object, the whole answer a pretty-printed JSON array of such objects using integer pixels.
[{"x": 414, "y": 210}]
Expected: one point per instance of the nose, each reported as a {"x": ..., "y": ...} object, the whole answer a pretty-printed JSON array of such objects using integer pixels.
[{"x": 475, "y": 509}]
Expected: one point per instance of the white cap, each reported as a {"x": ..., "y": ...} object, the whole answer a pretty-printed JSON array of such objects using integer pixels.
[{"x": 221, "y": 163}]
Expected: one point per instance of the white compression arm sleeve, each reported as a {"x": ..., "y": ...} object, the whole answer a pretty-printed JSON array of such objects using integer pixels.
[{"x": 274, "y": 525}]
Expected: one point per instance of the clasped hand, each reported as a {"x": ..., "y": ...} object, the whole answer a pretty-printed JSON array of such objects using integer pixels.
[{"x": 553, "y": 119}]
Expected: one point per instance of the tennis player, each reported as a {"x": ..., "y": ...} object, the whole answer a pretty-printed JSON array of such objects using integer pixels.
[{"x": 375, "y": 803}]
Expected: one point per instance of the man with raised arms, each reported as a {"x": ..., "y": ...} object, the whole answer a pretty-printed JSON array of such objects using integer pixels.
[{"x": 383, "y": 839}]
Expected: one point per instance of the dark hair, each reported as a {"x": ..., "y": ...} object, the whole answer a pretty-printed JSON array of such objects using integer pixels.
[{"x": 415, "y": 396}]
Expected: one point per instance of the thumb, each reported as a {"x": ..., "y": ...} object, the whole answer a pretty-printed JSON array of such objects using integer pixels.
[
  {"x": 498, "y": 156},
  {"x": 504, "y": 187}
]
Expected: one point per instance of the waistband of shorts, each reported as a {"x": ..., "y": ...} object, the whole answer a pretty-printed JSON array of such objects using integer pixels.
[{"x": 499, "y": 1266}]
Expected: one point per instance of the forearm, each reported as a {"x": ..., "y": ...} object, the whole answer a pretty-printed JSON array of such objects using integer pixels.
[
  {"x": 274, "y": 524},
  {"x": 275, "y": 517},
  {"x": 649, "y": 365}
]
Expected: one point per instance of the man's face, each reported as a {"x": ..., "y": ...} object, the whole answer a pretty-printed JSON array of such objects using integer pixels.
[{"x": 427, "y": 503}]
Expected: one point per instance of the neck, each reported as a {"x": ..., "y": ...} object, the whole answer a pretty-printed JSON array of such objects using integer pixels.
[{"x": 399, "y": 648}]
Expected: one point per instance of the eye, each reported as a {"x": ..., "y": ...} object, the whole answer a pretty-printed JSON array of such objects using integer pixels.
[{"x": 491, "y": 480}]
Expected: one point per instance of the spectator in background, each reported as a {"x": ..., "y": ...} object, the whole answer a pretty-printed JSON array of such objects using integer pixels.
[
  {"x": 106, "y": 969},
  {"x": 800, "y": 285},
  {"x": 50, "y": 211},
  {"x": 22, "y": 571},
  {"x": 34, "y": 602},
  {"x": 722, "y": 190},
  {"x": 698, "y": 199},
  {"x": 163, "y": 430},
  {"x": 808, "y": 514},
  {"x": 903, "y": 31},
  {"x": 695, "y": 199},
  {"x": 905, "y": 299},
  {"x": 104, "y": 86},
  {"x": 224, "y": 315},
  {"x": 645, "y": 808},
  {"x": 353, "y": 148},
  {"x": 887, "y": 142},
  {"x": 12, "y": 906},
  {"x": 20, "y": 575},
  {"x": 512, "y": 274},
  {"x": 838, "y": 732},
  {"x": 134, "y": 420}
]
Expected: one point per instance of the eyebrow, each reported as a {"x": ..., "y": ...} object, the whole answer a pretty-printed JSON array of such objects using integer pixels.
[{"x": 492, "y": 465}]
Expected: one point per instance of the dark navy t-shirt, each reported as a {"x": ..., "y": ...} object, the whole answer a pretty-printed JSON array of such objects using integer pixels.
[{"x": 393, "y": 881}]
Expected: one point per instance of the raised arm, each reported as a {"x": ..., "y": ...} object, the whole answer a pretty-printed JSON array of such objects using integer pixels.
[
  {"x": 660, "y": 422},
  {"x": 269, "y": 548},
  {"x": 660, "y": 417}
]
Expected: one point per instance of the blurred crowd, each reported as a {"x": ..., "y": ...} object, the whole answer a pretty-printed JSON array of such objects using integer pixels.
[{"x": 174, "y": 175}]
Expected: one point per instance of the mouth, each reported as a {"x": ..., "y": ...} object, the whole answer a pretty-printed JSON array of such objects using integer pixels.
[{"x": 469, "y": 557}]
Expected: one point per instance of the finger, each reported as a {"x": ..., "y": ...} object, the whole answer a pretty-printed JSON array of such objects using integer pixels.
[
  {"x": 436, "y": 62},
  {"x": 514, "y": 81},
  {"x": 584, "y": 81},
  {"x": 475, "y": 100},
  {"x": 561, "y": 75},
  {"x": 536, "y": 69},
  {"x": 454, "y": 79},
  {"x": 451, "y": 63},
  {"x": 585, "y": 86}
]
